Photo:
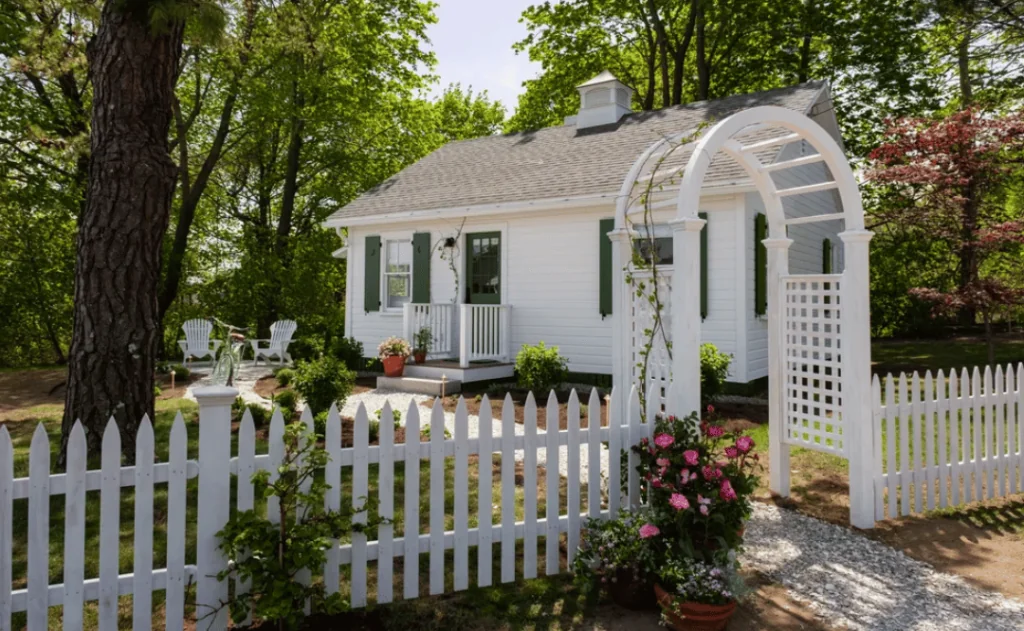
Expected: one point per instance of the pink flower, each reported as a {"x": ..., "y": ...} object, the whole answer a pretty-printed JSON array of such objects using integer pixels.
[
  {"x": 678, "y": 501},
  {"x": 714, "y": 431},
  {"x": 726, "y": 492},
  {"x": 664, "y": 440},
  {"x": 649, "y": 530},
  {"x": 732, "y": 452},
  {"x": 703, "y": 510},
  {"x": 711, "y": 474},
  {"x": 744, "y": 443},
  {"x": 656, "y": 483},
  {"x": 662, "y": 462},
  {"x": 686, "y": 476},
  {"x": 691, "y": 457},
  {"x": 711, "y": 409},
  {"x": 705, "y": 504}
]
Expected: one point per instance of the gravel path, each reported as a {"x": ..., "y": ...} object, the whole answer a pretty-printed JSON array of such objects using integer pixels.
[
  {"x": 856, "y": 583},
  {"x": 245, "y": 381}
]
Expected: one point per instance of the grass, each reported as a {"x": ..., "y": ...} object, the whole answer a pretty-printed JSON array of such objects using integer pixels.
[{"x": 897, "y": 356}]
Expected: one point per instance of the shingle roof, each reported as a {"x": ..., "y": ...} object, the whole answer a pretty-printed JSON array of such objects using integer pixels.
[{"x": 557, "y": 161}]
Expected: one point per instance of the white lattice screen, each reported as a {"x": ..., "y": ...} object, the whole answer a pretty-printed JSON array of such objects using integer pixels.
[
  {"x": 659, "y": 365},
  {"x": 812, "y": 352}
]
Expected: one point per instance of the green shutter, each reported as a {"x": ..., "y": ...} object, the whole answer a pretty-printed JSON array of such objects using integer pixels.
[
  {"x": 703, "y": 267},
  {"x": 760, "y": 265},
  {"x": 371, "y": 278},
  {"x": 421, "y": 267},
  {"x": 826, "y": 256},
  {"x": 605, "y": 261}
]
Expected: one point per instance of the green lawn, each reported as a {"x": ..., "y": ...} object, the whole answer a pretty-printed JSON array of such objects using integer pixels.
[{"x": 921, "y": 355}]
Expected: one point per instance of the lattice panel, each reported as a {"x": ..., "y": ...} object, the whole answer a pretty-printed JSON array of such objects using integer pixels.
[
  {"x": 813, "y": 362},
  {"x": 659, "y": 367}
]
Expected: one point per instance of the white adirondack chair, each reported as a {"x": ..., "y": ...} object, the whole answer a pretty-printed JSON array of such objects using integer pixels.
[
  {"x": 281, "y": 333},
  {"x": 197, "y": 342}
]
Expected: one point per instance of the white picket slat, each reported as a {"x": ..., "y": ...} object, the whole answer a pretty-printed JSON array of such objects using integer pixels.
[
  {"x": 905, "y": 467},
  {"x": 1019, "y": 399},
  {"x": 38, "y": 530},
  {"x": 461, "y": 514},
  {"x": 988, "y": 411},
  {"x": 386, "y": 506},
  {"x": 955, "y": 435},
  {"x": 360, "y": 489},
  {"x": 142, "y": 595},
  {"x": 530, "y": 488},
  {"x": 890, "y": 443},
  {"x": 276, "y": 452},
  {"x": 916, "y": 421},
  {"x": 594, "y": 454},
  {"x": 942, "y": 409},
  {"x": 879, "y": 448},
  {"x": 508, "y": 491},
  {"x": 979, "y": 465},
  {"x": 6, "y": 525},
  {"x": 485, "y": 495},
  {"x": 998, "y": 451},
  {"x": 74, "y": 529},
  {"x": 1011, "y": 429},
  {"x": 552, "y": 478},
  {"x": 634, "y": 459},
  {"x": 572, "y": 494},
  {"x": 110, "y": 526},
  {"x": 437, "y": 503},
  {"x": 614, "y": 456},
  {"x": 332, "y": 499},
  {"x": 411, "y": 513},
  {"x": 174, "y": 604},
  {"x": 929, "y": 435}
]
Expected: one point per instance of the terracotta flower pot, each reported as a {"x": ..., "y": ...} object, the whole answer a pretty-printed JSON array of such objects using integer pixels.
[
  {"x": 629, "y": 592},
  {"x": 693, "y": 616},
  {"x": 419, "y": 356},
  {"x": 394, "y": 366}
]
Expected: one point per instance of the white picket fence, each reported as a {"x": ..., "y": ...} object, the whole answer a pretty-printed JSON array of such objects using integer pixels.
[
  {"x": 349, "y": 468},
  {"x": 947, "y": 440}
]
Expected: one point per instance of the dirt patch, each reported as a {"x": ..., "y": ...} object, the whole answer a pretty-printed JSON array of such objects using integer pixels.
[
  {"x": 519, "y": 402},
  {"x": 268, "y": 387},
  {"x": 28, "y": 388}
]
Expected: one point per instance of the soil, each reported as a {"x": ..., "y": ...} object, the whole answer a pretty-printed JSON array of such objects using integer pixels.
[{"x": 28, "y": 388}]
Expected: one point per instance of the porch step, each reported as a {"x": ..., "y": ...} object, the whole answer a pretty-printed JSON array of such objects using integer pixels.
[
  {"x": 483, "y": 371},
  {"x": 419, "y": 385}
]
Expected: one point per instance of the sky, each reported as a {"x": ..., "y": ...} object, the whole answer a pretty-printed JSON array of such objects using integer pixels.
[{"x": 473, "y": 44}]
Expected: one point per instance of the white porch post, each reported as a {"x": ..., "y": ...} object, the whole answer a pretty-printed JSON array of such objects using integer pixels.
[
  {"x": 214, "y": 503},
  {"x": 622, "y": 368},
  {"x": 855, "y": 320},
  {"x": 778, "y": 452},
  {"x": 465, "y": 330},
  {"x": 407, "y": 322},
  {"x": 686, "y": 320}
]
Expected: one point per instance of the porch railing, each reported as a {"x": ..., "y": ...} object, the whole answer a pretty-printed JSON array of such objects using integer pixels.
[
  {"x": 440, "y": 318},
  {"x": 484, "y": 333}
]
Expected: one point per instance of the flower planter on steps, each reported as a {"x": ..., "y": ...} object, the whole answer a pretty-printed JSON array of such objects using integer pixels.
[
  {"x": 394, "y": 366},
  {"x": 693, "y": 616}
]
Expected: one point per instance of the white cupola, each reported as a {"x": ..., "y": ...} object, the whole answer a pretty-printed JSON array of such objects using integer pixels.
[{"x": 603, "y": 101}]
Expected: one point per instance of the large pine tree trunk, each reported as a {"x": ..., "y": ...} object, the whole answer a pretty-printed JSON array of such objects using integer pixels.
[{"x": 133, "y": 67}]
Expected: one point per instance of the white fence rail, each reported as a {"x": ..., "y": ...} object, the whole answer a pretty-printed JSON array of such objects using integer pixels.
[
  {"x": 484, "y": 333},
  {"x": 947, "y": 440},
  {"x": 586, "y": 444},
  {"x": 440, "y": 319}
]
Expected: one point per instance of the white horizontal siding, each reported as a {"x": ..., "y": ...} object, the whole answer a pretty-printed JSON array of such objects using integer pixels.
[{"x": 757, "y": 326}]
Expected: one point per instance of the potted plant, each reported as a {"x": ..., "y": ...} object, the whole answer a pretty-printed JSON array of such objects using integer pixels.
[
  {"x": 424, "y": 337},
  {"x": 696, "y": 595},
  {"x": 393, "y": 352},
  {"x": 616, "y": 555},
  {"x": 699, "y": 479}
]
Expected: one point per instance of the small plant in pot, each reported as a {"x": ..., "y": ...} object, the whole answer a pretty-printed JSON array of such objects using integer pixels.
[
  {"x": 424, "y": 337},
  {"x": 616, "y": 556},
  {"x": 696, "y": 595},
  {"x": 393, "y": 352}
]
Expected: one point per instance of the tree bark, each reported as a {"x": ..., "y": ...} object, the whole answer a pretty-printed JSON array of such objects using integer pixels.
[
  {"x": 133, "y": 67},
  {"x": 703, "y": 67}
]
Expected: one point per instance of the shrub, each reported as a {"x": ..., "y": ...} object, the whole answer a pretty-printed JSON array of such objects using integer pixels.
[
  {"x": 374, "y": 432},
  {"x": 540, "y": 368},
  {"x": 157, "y": 391},
  {"x": 181, "y": 373},
  {"x": 349, "y": 351},
  {"x": 614, "y": 550},
  {"x": 395, "y": 415},
  {"x": 308, "y": 347},
  {"x": 323, "y": 381},
  {"x": 714, "y": 370},
  {"x": 259, "y": 414},
  {"x": 320, "y": 423},
  {"x": 284, "y": 376},
  {"x": 287, "y": 401}
]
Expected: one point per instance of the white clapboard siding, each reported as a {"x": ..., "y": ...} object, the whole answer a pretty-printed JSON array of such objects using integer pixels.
[{"x": 948, "y": 441}]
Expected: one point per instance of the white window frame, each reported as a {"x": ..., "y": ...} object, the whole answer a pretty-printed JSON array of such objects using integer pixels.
[{"x": 384, "y": 274}]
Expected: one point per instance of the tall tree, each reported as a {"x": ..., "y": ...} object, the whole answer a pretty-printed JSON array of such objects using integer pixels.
[{"x": 133, "y": 67}]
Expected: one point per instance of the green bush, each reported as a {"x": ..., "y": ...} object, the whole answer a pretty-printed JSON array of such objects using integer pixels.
[
  {"x": 395, "y": 414},
  {"x": 714, "y": 369},
  {"x": 259, "y": 414},
  {"x": 349, "y": 351},
  {"x": 181, "y": 373},
  {"x": 306, "y": 348},
  {"x": 324, "y": 381},
  {"x": 540, "y": 368},
  {"x": 374, "y": 431},
  {"x": 287, "y": 401},
  {"x": 284, "y": 376},
  {"x": 157, "y": 391},
  {"x": 320, "y": 423}
]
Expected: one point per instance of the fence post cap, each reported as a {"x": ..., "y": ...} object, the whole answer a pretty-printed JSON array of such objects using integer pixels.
[{"x": 215, "y": 395}]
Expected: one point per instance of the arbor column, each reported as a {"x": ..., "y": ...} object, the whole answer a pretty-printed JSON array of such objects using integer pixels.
[
  {"x": 778, "y": 451},
  {"x": 622, "y": 362},
  {"x": 855, "y": 320},
  {"x": 686, "y": 318}
]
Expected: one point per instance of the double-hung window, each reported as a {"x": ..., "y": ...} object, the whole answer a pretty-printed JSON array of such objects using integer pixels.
[{"x": 397, "y": 273}]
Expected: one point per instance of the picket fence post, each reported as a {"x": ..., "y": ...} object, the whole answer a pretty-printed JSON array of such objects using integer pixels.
[{"x": 214, "y": 503}]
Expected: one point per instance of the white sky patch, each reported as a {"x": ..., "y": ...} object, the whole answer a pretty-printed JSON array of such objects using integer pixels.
[{"x": 473, "y": 43}]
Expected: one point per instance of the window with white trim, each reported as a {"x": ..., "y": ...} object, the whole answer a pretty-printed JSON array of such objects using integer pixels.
[{"x": 397, "y": 273}]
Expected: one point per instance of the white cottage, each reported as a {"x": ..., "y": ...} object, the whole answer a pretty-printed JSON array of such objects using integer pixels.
[{"x": 501, "y": 241}]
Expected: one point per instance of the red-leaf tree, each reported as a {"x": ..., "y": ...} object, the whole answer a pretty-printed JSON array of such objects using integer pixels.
[{"x": 947, "y": 179}]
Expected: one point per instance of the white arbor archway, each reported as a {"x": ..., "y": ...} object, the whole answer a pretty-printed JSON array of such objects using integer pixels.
[{"x": 818, "y": 325}]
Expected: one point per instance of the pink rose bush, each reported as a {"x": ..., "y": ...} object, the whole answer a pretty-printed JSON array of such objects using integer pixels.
[{"x": 699, "y": 479}]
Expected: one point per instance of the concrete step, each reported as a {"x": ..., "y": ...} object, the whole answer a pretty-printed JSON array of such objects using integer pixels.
[{"x": 419, "y": 385}]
